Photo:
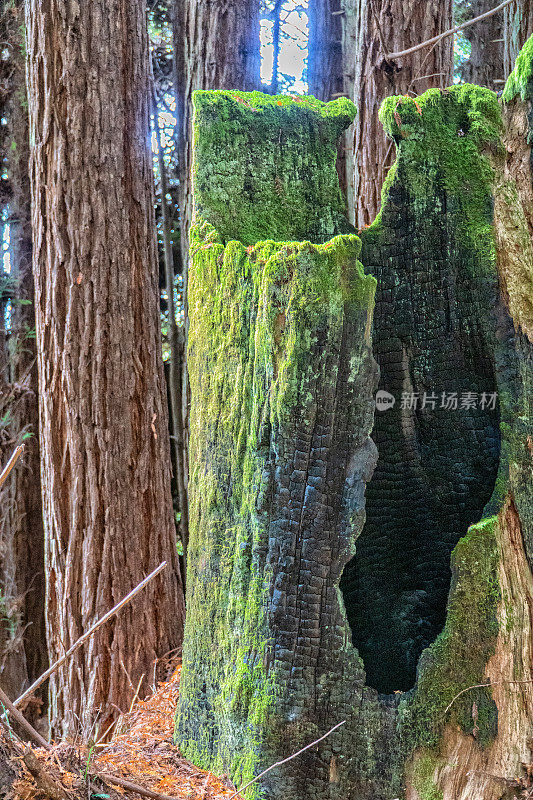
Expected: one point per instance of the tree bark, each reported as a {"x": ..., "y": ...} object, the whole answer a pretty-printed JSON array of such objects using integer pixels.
[
  {"x": 422, "y": 640},
  {"x": 517, "y": 28},
  {"x": 325, "y": 68},
  {"x": 282, "y": 380},
  {"x": 330, "y": 66},
  {"x": 105, "y": 450},
  {"x": 484, "y": 66},
  {"x": 390, "y": 26},
  {"x": 203, "y": 60},
  {"x": 22, "y": 526}
]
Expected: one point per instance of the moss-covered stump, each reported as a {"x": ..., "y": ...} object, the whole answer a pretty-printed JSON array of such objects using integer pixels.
[
  {"x": 263, "y": 165},
  {"x": 282, "y": 378},
  {"x": 282, "y": 381}
]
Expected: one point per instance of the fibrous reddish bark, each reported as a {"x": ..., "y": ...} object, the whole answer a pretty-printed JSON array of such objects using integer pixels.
[
  {"x": 104, "y": 426},
  {"x": 22, "y": 534},
  {"x": 517, "y": 28},
  {"x": 388, "y": 26},
  {"x": 325, "y": 72},
  {"x": 330, "y": 70},
  {"x": 216, "y": 46},
  {"x": 484, "y": 65}
]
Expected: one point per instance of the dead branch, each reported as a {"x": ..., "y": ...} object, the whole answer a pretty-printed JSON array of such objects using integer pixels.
[
  {"x": 35, "y": 685},
  {"x": 456, "y": 29},
  {"x": 284, "y": 761},
  {"x": 132, "y": 787},
  {"x": 44, "y": 781},
  {"x": 10, "y": 464},
  {"x": 22, "y": 721}
]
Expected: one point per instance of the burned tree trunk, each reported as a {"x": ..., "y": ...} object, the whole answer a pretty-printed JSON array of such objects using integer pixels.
[
  {"x": 282, "y": 380},
  {"x": 388, "y": 26},
  {"x": 422, "y": 641},
  {"x": 104, "y": 427}
]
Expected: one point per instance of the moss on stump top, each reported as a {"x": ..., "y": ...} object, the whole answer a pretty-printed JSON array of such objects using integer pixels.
[{"x": 264, "y": 165}]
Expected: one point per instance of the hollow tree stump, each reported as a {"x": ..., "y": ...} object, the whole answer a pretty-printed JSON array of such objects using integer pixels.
[{"x": 437, "y": 595}]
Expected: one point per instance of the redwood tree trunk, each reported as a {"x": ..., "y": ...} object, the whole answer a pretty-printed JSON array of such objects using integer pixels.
[
  {"x": 104, "y": 428},
  {"x": 330, "y": 70},
  {"x": 216, "y": 46},
  {"x": 388, "y": 26},
  {"x": 518, "y": 27},
  {"x": 484, "y": 65},
  {"x": 325, "y": 73},
  {"x": 22, "y": 526}
]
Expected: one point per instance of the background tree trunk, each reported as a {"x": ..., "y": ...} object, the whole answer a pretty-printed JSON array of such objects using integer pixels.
[
  {"x": 517, "y": 28},
  {"x": 330, "y": 71},
  {"x": 387, "y": 26},
  {"x": 205, "y": 59},
  {"x": 325, "y": 67},
  {"x": 22, "y": 526},
  {"x": 484, "y": 66},
  {"x": 104, "y": 424}
]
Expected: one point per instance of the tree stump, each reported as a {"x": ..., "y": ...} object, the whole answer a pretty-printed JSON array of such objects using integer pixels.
[{"x": 419, "y": 634}]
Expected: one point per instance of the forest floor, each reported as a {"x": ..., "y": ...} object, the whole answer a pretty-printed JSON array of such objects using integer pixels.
[{"x": 142, "y": 751}]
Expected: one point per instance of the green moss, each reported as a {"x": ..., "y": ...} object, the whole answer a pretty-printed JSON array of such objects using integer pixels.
[
  {"x": 442, "y": 139},
  {"x": 264, "y": 166},
  {"x": 457, "y": 659},
  {"x": 423, "y": 776},
  {"x": 519, "y": 82}
]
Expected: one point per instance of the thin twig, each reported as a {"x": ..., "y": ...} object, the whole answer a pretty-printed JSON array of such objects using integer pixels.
[
  {"x": 456, "y": 29},
  {"x": 89, "y": 633},
  {"x": 136, "y": 695},
  {"x": 284, "y": 761},
  {"x": 425, "y": 77},
  {"x": 10, "y": 464},
  {"x": 480, "y": 686}
]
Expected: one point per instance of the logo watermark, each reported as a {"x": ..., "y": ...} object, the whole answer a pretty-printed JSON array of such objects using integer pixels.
[
  {"x": 448, "y": 401},
  {"x": 384, "y": 400}
]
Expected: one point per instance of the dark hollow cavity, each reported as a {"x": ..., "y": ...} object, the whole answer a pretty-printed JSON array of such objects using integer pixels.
[{"x": 433, "y": 333}]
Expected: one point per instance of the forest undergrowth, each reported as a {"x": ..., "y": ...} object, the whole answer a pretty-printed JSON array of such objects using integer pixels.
[{"x": 140, "y": 751}]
